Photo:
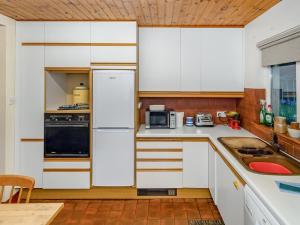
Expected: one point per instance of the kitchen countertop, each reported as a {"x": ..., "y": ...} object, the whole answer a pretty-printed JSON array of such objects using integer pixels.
[{"x": 285, "y": 207}]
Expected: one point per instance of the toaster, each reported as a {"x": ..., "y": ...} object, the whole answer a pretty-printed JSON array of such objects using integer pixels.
[{"x": 204, "y": 120}]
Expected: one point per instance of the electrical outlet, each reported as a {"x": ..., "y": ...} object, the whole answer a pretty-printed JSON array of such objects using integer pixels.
[{"x": 221, "y": 114}]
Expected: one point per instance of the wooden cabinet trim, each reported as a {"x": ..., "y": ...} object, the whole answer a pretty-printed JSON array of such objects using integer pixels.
[
  {"x": 158, "y": 160},
  {"x": 172, "y": 139},
  {"x": 76, "y": 44},
  {"x": 66, "y": 170},
  {"x": 69, "y": 70},
  {"x": 113, "y": 64},
  {"x": 159, "y": 150},
  {"x": 182, "y": 94},
  {"x": 160, "y": 170},
  {"x": 32, "y": 140},
  {"x": 240, "y": 179},
  {"x": 67, "y": 160}
]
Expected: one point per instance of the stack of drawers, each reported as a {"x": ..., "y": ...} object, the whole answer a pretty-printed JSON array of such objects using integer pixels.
[{"x": 159, "y": 164}]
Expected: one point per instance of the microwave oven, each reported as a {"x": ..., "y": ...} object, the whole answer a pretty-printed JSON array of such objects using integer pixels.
[{"x": 160, "y": 119}]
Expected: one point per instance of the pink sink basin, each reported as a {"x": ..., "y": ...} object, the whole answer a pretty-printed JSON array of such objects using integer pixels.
[{"x": 269, "y": 167}]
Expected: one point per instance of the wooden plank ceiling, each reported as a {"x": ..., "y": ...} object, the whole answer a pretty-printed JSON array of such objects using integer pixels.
[{"x": 146, "y": 12}]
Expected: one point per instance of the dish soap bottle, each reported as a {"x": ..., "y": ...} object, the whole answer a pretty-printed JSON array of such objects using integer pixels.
[
  {"x": 262, "y": 113},
  {"x": 269, "y": 118}
]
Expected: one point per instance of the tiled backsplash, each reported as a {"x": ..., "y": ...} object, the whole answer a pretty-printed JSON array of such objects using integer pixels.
[{"x": 191, "y": 106}]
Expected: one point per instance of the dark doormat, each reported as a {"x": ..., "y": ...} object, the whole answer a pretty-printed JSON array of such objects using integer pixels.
[{"x": 206, "y": 222}]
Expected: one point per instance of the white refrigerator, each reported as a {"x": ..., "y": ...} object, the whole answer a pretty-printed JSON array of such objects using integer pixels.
[{"x": 113, "y": 127}]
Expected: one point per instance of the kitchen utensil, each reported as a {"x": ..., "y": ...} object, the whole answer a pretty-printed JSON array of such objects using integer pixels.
[{"x": 179, "y": 119}]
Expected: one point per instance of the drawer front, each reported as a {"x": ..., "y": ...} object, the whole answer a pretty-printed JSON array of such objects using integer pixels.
[
  {"x": 67, "y": 165},
  {"x": 158, "y": 145},
  {"x": 159, "y": 165},
  {"x": 159, "y": 155},
  {"x": 66, "y": 180},
  {"x": 159, "y": 179}
]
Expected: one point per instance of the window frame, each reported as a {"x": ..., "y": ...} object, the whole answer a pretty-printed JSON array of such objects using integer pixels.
[{"x": 269, "y": 89}]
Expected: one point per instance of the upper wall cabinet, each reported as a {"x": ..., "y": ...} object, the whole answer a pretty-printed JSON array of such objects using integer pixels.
[
  {"x": 113, "y": 42},
  {"x": 222, "y": 60},
  {"x": 191, "y": 52},
  {"x": 67, "y": 32},
  {"x": 30, "y": 32},
  {"x": 113, "y": 32},
  {"x": 159, "y": 59},
  {"x": 67, "y": 56},
  {"x": 192, "y": 59}
]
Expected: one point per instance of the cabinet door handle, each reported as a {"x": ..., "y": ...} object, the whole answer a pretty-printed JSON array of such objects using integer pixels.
[{"x": 236, "y": 185}]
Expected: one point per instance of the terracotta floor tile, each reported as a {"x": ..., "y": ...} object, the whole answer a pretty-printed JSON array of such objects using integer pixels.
[
  {"x": 140, "y": 222},
  {"x": 207, "y": 215},
  {"x": 181, "y": 222},
  {"x": 135, "y": 212},
  {"x": 153, "y": 222},
  {"x": 180, "y": 214},
  {"x": 193, "y": 214},
  {"x": 154, "y": 214},
  {"x": 167, "y": 222},
  {"x": 141, "y": 213}
]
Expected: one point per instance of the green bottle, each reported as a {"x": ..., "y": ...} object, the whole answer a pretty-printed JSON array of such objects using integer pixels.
[
  {"x": 262, "y": 113},
  {"x": 269, "y": 116}
]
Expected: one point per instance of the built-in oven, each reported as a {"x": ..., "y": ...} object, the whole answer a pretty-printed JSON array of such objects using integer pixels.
[{"x": 67, "y": 135}]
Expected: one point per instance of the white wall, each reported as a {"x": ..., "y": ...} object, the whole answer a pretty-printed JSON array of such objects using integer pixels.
[
  {"x": 2, "y": 98},
  {"x": 8, "y": 125},
  {"x": 281, "y": 17}
]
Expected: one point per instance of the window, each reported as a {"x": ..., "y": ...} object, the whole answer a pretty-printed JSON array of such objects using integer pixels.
[{"x": 283, "y": 91}]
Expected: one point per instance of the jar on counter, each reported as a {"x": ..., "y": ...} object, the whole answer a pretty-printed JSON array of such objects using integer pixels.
[{"x": 81, "y": 94}]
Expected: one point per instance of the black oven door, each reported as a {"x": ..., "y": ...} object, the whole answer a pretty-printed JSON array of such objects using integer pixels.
[
  {"x": 67, "y": 140},
  {"x": 159, "y": 119}
]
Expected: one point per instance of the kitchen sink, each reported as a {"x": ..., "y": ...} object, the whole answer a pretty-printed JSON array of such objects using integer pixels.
[{"x": 259, "y": 157}]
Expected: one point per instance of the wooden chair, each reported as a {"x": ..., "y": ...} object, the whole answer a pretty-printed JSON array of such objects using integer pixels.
[{"x": 16, "y": 181}]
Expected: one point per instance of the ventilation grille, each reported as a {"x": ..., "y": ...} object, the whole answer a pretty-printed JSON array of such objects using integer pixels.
[{"x": 157, "y": 192}]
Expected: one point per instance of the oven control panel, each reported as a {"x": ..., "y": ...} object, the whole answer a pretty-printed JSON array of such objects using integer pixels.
[{"x": 50, "y": 117}]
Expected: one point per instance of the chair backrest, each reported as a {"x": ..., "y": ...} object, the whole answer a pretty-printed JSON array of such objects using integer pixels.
[{"x": 16, "y": 181}]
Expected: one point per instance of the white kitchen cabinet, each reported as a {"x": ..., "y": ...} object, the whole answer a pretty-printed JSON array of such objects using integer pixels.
[
  {"x": 255, "y": 211},
  {"x": 166, "y": 179},
  {"x": 230, "y": 194},
  {"x": 31, "y": 161},
  {"x": 31, "y": 75},
  {"x": 222, "y": 60},
  {"x": 30, "y": 32},
  {"x": 30, "y": 79},
  {"x": 66, "y": 180},
  {"x": 159, "y": 164},
  {"x": 159, "y": 59},
  {"x": 67, "y": 56},
  {"x": 212, "y": 172},
  {"x": 113, "y": 32},
  {"x": 66, "y": 175},
  {"x": 113, "y": 54},
  {"x": 191, "y": 52},
  {"x": 67, "y": 32},
  {"x": 195, "y": 164}
]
